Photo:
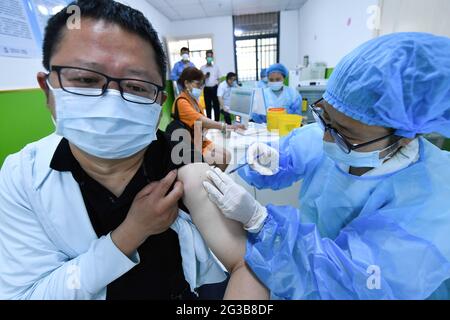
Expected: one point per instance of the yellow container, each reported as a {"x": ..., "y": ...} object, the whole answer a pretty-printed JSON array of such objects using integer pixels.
[
  {"x": 273, "y": 115},
  {"x": 289, "y": 122},
  {"x": 304, "y": 105}
]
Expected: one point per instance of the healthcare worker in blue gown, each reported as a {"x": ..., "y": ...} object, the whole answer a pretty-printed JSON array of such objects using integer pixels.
[
  {"x": 264, "y": 79},
  {"x": 373, "y": 220},
  {"x": 277, "y": 95}
]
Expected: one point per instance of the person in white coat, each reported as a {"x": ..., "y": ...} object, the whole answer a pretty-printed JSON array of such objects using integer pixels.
[{"x": 91, "y": 211}]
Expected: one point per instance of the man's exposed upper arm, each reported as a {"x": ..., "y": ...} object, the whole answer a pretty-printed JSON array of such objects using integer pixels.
[
  {"x": 192, "y": 176},
  {"x": 225, "y": 237}
]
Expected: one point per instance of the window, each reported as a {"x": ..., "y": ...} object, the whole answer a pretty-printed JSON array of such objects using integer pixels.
[
  {"x": 256, "y": 40},
  {"x": 197, "y": 47}
]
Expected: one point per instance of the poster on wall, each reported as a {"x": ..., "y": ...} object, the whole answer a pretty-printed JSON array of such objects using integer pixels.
[
  {"x": 17, "y": 36},
  {"x": 22, "y": 24},
  {"x": 42, "y": 11}
]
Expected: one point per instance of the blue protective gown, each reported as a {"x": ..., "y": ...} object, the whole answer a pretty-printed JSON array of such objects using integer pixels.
[
  {"x": 261, "y": 84},
  {"x": 346, "y": 227},
  {"x": 289, "y": 99}
]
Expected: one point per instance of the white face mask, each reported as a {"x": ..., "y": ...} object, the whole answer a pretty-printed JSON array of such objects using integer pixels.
[
  {"x": 108, "y": 126},
  {"x": 356, "y": 159},
  {"x": 185, "y": 57},
  {"x": 276, "y": 86}
]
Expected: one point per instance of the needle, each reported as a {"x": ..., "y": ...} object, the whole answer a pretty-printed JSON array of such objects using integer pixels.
[{"x": 243, "y": 165}]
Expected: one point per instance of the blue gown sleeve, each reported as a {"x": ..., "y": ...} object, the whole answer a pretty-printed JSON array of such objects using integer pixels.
[
  {"x": 299, "y": 152},
  {"x": 259, "y": 118},
  {"x": 373, "y": 257},
  {"x": 296, "y": 106}
]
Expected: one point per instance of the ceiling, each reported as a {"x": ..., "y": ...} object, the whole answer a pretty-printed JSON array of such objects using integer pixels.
[{"x": 195, "y": 9}]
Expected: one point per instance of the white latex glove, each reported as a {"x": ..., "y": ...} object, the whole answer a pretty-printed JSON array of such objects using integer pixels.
[
  {"x": 263, "y": 159},
  {"x": 226, "y": 108},
  {"x": 234, "y": 201}
]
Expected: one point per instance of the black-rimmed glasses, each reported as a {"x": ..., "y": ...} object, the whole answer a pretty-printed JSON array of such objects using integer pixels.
[
  {"x": 340, "y": 140},
  {"x": 91, "y": 83}
]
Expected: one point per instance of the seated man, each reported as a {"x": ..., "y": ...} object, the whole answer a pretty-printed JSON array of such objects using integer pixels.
[{"x": 91, "y": 212}]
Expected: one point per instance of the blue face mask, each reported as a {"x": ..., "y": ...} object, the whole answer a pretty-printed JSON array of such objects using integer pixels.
[
  {"x": 356, "y": 159},
  {"x": 196, "y": 93},
  {"x": 265, "y": 80},
  {"x": 275, "y": 86},
  {"x": 108, "y": 126}
]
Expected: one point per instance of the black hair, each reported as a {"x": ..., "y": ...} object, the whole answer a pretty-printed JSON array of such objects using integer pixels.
[
  {"x": 110, "y": 11},
  {"x": 184, "y": 49},
  {"x": 190, "y": 74},
  {"x": 230, "y": 75},
  {"x": 209, "y": 51}
]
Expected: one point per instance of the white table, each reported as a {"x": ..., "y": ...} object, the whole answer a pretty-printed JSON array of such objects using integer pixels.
[{"x": 237, "y": 144}]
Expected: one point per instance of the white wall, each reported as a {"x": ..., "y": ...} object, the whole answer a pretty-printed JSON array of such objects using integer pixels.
[
  {"x": 329, "y": 29},
  {"x": 289, "y": 38},
  {"x": 220, "y": 29},
  {"x": 318, "y": 29},
  {"x": 20, "y": 73},
  {"x": 430, "y": 16},
  {"x": 157, "y": 19}
]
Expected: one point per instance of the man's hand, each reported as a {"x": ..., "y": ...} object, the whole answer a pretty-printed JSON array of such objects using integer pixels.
[{"x": 153, "y": 211}]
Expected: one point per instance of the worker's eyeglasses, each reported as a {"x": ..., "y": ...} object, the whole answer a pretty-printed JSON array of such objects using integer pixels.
[
  {"x": 342, "y": 142},
  {"x": 85, "y": 82}
]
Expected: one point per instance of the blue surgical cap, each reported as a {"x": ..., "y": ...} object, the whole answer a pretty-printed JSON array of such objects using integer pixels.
[
  {"x": 263, "y": 73},
  {"x": 399, "y": 81},
  {"x": 278, "y": 67}
]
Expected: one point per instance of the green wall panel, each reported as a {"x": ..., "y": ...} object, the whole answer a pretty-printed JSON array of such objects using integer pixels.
[{"x": 24, "y": 118}]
